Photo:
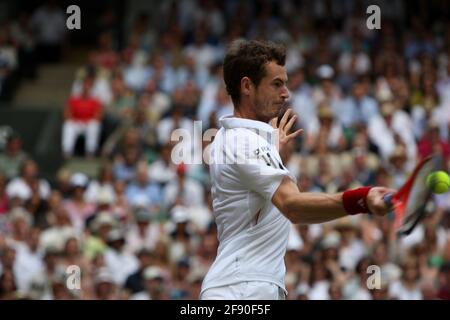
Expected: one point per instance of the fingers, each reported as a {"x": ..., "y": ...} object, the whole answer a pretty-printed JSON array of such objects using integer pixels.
[
  {"x": 290, "y": 123},
  {"x": 295, "y": 134},
  {"x": 284, "y": 119}
]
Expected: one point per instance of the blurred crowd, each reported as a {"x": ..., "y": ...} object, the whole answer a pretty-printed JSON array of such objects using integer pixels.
[{"x": 371, "y": 102}]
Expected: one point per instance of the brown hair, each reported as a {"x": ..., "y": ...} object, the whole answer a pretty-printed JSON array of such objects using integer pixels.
[{"x": 247, "y": 58}]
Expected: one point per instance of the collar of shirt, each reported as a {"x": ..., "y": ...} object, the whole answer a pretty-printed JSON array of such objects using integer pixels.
[{"x": 261, "y": 128}]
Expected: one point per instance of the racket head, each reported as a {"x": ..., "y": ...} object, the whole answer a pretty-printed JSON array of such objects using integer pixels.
[{"x": 410, "y": 202}]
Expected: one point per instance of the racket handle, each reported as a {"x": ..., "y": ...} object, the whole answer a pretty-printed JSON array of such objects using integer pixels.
[{"x": 388, "y": 199}]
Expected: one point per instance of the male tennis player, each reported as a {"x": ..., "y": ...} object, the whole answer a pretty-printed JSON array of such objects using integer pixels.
[{"x": 254, "y": 195}]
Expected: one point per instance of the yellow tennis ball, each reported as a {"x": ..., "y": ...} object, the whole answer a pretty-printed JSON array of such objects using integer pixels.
[{"x": 438, "y": 182}]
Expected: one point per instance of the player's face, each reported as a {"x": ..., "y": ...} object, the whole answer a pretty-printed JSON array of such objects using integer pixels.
[{"x": 271, "y": 94}]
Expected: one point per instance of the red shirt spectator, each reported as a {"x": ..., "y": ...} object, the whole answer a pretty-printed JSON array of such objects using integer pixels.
[
  {"x": 432, "y": 143},
  {"x": 84, "y": 108}
]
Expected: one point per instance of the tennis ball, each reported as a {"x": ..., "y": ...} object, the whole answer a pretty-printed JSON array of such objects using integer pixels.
[{"x": 438, "y": 182}]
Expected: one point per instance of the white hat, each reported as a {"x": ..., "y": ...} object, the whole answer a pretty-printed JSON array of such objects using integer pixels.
[
  {"x": 153, "y": 272},
  {"x": 180, "y": 214},
  {"x": 20, "y": 213},
  {"x": 79, "y": 179},
  {"x": 103, "y": 276},
  {"x": 105, "y": 196},
  {"x": 325, "y": 71},
  {"x": 103, "y": 218},
  {"x": 331, "y": 240},
  {"x": 115, "y": 235}
]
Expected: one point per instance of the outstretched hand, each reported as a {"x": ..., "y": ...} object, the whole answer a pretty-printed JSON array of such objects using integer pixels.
[{"x": 284, "y": 126}]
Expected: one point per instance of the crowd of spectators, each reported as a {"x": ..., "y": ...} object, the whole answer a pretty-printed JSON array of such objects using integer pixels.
[
  {"x": 31, "y": 39},
  {"x": 371, "y": 103}
]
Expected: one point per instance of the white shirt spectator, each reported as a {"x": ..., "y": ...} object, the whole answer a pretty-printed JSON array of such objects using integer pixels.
[
  {"x": 350, "y": 255},
  {"x": 319, "y": 290},
  {"x": 192, "y": 193},
  {"x": 95, "y": 190},
  {"x": 167, "y": 125},
  {"x": 353, "y": 289},
  {"x": 362, "y": 63},
  {"x": 162, "y": 172},
  {"x": 27, "y": 264},
  {"x": 57, "y": 236},
  {"x": 120, "y": 264},
  {"x": 398, "y": 291},
  {"x": 50, "y": 25},
  {"x": 204, "y": 55},
  {"x": 136, "y": 77},
  {"x": 383, "y": 136},
  {"x": 19, "y": 188},
  {"x": 135, "y": 242},
  {"x": 101, "y": 89}
]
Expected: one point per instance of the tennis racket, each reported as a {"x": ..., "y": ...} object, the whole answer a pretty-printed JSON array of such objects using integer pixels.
[{"x": 409, "y": 203}]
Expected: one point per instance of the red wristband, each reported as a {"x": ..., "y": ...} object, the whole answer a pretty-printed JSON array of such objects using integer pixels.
[{"x": 355, "y": 201}]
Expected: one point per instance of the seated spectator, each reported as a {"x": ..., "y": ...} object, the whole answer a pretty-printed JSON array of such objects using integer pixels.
[
  {"x": 156, "y": 286},
  {"x": 358, "y": 108},
  {"x": 104, "y": 286},
  {"x": 392, "y": 127},
  {"x": 135, "y": 282},
  {"x": 364, "y": 167},
  {"x": 123, "y": 104},
  {"x": 119, "y": 262},
  {"x": 176, "y": 120},
  {"x": 49, "y": 23},
  {"x": 41, "y": 283},
  {"x": 22, "y": 186},
  {"x": 8, "y": 287},
  {"x": 407, "y": 288},
  {"x": 104, "y": 182},
  {"x": 432, "y": 142},
  {"x": 101, "y": 86},
  {"x": 12, "y": 158},
  {"x": 82, "y": 116},
  {"x": 163, "y": 170},
  {"x": 142, "y": 187},
  {"x": 60, "y": 229},
  {"x": 183, "y": 190},
  {"x": 77, "y": 207},
  {"x": 144, "y": 233},
  {"x": 327, "y": 128},
  {"x": 28, "y": 259},
  {"x": 104, "y": 56},
  {"x": 95, "y": 243},
  {"x": 23, "y": 34}
]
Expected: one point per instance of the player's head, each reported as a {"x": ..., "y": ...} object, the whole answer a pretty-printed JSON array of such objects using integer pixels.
[{"x": 255, "y": 77}]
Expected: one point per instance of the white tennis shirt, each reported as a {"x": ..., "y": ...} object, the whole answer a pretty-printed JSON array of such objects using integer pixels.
[{"x": 246, "y": 170}]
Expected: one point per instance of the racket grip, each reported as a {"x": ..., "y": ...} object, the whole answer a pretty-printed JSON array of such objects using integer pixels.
[{"x": 388, "y": 199}]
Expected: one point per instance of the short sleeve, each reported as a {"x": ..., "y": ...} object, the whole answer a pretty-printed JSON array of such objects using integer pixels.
[{"x": 260, "y": 168}]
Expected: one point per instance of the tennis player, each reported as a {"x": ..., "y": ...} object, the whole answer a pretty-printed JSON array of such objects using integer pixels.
[{"x": 254, "y": 196}]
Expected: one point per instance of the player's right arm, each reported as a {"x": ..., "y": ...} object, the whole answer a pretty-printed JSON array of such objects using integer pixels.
[{"x": 305, "y": 207}]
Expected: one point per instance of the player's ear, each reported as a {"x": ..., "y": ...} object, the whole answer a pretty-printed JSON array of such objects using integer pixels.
[{"x": 246, "y": 85}]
